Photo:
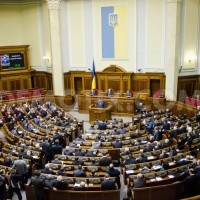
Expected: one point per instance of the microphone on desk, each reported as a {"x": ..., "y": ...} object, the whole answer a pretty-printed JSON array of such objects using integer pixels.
[{"x": 89, "y": 69}]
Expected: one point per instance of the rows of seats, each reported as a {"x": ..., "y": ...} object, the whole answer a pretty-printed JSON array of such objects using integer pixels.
[
  {"x": 129, "y": 145},
  {"x": 18, "y": 94}
]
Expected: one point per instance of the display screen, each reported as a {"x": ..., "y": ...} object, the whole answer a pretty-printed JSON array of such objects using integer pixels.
[{"x": 12, "y": 61}]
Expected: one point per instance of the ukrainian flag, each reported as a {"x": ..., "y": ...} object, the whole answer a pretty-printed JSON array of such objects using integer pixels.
[
  {"x": 114, "y": 26},
  {"x": 93, "y": 77}
]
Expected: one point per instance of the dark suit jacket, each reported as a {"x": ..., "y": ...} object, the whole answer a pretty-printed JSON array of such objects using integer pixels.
[
  {"x": 139, "y": 183},
  {"x": 105, "y": 161},
  {"x": 117, "y": 144},
  {"x": 46, "y": 171},
  {"x": 189, "y": 186},
  {"x": 56, "y": 149},
  {"x": 46, "y": 147},
  {"x": 59, "y": 185},
  {"x": 108, "y": 185},
  {"x": 79, "y": 173},
  {"x": 68, "y": 153},
  {"x": 39, "y": 185},
  {"x": 102, "y": 126}
]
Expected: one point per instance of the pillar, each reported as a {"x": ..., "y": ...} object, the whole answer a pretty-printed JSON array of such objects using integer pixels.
[
  {"x": 172, "y": 59},
  {"x": 57, "y": 68}
]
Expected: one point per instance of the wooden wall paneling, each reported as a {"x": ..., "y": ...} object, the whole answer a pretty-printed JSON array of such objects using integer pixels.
[
  {"x": 154, "y": 86},
  {"x": 102, "y": 82},
  {"x": 114, "y": 83},
  {"x": 87, "y": 83},
  {"x": 4, "y": 85},
  {"x": 187, "y": 86},
  {"x": 78, "y": 85},
  {"x": 139, "y": 84},
  {"x": 25, "y": 83},
  {"x": 49, "y": 83},
  {"x": 67, "y": 82}
]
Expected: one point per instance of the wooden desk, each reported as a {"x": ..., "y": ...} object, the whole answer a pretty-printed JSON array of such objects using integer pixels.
[
  {"x": 121, "y": 105},
  {"x": 99, "y": 113}
]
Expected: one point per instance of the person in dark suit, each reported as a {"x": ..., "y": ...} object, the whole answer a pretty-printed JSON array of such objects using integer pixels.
[
  {"x": 104, "y": 160},
  {"x": 79, "y": 172},
  {"x": 39, "y": 185},
  {"x": 78, "y": 161},
  {"x": 110, "y": 92},
  {"x": 59, "y": 137},
  {"x": 173, "y": 133},
  {"x": 7, "y": 160},
  {"x": 2, "y": 184},
  {"x": 81, "y": 187},
  {"x": 102, "y": 126},
  {"x": 46, "y": 148},
  {"x": 187, "y": 160},
  {"x": 79, "y": 152},
  {"x": 13, "y": 183},
  {"x": 100, "y": 103},
  {"x": 142, "y": 158},
  {"x": 172, "y": 151},
  {"x": 117, "y": 144},
  {"x": 148, "y": 147},
  {"x": 130, "y": 160},
  {"x": 59, "y": 184},
  {"x": 67, "y": 151},
  {"x": 197, "y": 168},
  {"x": 47, "y": 169},
  {"x": 108, "y": 184},
  {"x": 157, "y": 134},
  {"x": 150, "y": 127},
  {"x": 93, "y": 174},
  {"x": 29, "y": 157},
  {"x": 189, "y": 185},
  {"x": 56, "y": 148},
  {"x": 139, "y": 181},
  {"x": 166, "y": 126},
  {"x": 114, "y": 173}
]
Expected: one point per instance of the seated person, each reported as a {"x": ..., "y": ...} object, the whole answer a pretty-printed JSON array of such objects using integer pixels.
[
  {"x": 93, "y": 92},
  {"x": 100, "y": 103},
  {"x": 59, "y": 184},
  {"x": 110, "y": 92},
  {"x": 108, "y": 184},
  {"x": 129, "y": 93},
  {"x": 82, "y": 187}
]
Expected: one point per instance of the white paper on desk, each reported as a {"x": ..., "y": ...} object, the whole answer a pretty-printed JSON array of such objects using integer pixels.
[
  {"x": 78, "y": 145},
  {"x": 77, "y": 184},
  {"x": 91, "y": 184},
  {"x": 159, "y": 179},
  {"x": 157, "y": 167},
  {"x": 171, "y": 163},
  {"x": 35, "y": 157},
  {"x": 143, "y": 142},
  {"x": 150, "y": 157},
  {"x": 170, "y": 176},
  {"x": 129, "y": 171},
  {"x": 128, "y": 138},
  {"x": 153, "y": 179}
]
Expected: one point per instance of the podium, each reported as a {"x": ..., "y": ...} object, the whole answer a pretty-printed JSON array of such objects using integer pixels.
[{"x": 99, "y": 113}]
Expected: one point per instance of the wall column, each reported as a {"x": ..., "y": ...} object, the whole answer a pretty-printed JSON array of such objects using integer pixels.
[
  {"x": 172, "y": 59},
  {"x": 54, "y": 20}
]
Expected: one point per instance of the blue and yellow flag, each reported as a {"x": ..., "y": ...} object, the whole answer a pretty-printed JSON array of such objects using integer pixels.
[
  {"x": 114, "y": 24},
  {"x": 93, "y": 77}
]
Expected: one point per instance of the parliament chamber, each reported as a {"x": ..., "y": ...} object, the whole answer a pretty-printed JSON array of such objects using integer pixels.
[{"x": 99, "y": 99}]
